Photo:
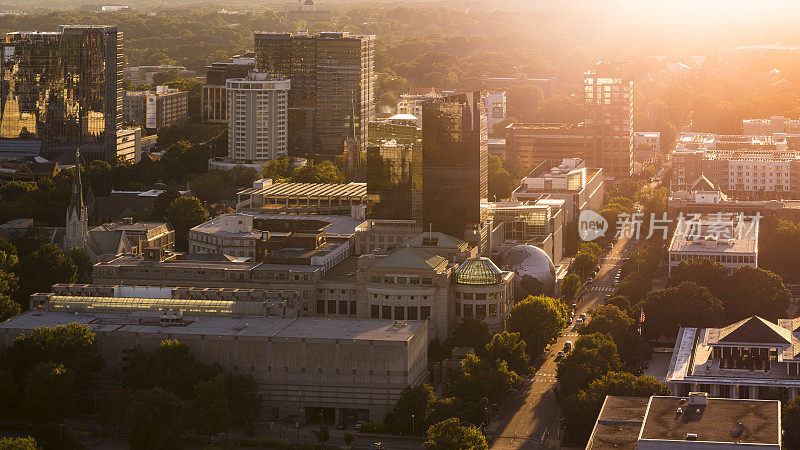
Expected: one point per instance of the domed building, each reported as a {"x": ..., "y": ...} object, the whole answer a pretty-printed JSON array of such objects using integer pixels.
[
  {"x": 534, "y": 271},
  {"x": 484, "y": 291}
]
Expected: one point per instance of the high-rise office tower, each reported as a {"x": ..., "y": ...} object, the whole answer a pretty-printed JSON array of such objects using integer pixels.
[
  {"x": 332, "y": 78},
  {"x": 257, "y": 116},
  {"x": 64, "y": 88},
  {"x": 608, "y": 95},
  {"x": 213, "y": 97},
  {"x": 455, "y": 166},
  {"x": 390, "y": 172}
]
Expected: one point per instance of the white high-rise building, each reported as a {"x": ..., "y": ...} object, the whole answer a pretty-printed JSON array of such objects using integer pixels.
[{"x": 257, "y": 118}]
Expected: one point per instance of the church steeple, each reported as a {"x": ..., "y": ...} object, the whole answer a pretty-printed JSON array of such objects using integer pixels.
[{"x": 77, "y": 232}]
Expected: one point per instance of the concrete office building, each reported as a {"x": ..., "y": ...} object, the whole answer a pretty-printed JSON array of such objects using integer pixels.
[
  {"x": 383, "y": 236},
  {"x": 495, "y": 105},
  {"x": 705, "y": 198},
  {"x": 530, "y": 144},
  {"x": 693, "y": 421},
  {"x": 540, "y": 224},
  {"x": 344, "y": 370},
  {"x": 730, "y": 240},
  {"x": 411, "y": 104},
  {"x": 332, "y": 96},
  {"x": 257, "y": 118},
  {"x": 155, "y": 109},
  {"x": 646, "y": 139},
  {"x": 87, "y": 113},
  {"x": 608, "y": 96},
  {"x": 568, "y": 179},
  {"x": 455, "y": 167},
  {"x": 748, "y": 167},
  {"x": 214, "y": 95}
]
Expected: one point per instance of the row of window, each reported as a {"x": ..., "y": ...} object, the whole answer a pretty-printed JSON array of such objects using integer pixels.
[
  {"x": 483, "y": 296},
  {"x": 336, "y": 307},
  {"x": 400, "y": 280},
  {"x": 730, "y": 259},
  {"x": 480, "y": 311},
  {"x": 400, "y": 312}
]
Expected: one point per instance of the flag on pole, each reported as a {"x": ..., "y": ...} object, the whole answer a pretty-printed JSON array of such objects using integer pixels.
[{"x": 641, "y": 321}]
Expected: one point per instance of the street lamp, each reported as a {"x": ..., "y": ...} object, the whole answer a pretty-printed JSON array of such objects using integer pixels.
[{"x": 413, "y": 427}]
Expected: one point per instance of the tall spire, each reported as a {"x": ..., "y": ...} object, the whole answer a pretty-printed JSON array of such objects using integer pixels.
[{"x": 76, "y": 200}]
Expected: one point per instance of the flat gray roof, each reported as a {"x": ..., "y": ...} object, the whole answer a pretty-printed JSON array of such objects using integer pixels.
[
  {"x": 129, "y": 260},
  {"x": 306, "y": 328},
  {"x": 711, "y": 235}
]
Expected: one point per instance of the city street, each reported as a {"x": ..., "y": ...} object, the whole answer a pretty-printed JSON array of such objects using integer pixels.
[{"x": 531, "y": 419}]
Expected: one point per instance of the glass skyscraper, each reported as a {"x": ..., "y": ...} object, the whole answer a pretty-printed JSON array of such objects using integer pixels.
[
  {"x": 390, "y": 177},
  {"x": 455, "y": 166},
  {"x": 63, "y": 88}
]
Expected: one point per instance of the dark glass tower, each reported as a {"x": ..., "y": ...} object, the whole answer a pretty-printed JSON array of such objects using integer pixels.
[
  {"x": 389, "y": 181},
  {"x": 63, "y": 88},
  {"x": 454, "y": 166}
]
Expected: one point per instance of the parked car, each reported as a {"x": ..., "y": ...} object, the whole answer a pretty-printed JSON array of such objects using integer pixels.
[
  {"x": 579, "y": 321},
  {"x": 582, "y": 316},
  {"x": 341, "y": 426},
  {"x": 560, "y": 355},
  {"x": 358, "y": 426}
]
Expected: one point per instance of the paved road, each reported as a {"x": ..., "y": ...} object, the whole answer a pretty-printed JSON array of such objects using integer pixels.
[{"x": 534, "y": 412}]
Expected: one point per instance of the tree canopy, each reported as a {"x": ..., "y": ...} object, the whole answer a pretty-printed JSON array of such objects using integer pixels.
[{"x": 539, "y": 321}]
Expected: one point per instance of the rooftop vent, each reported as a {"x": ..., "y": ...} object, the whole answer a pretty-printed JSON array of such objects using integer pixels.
[
  {"x": 691, "y": 436},
  {"x": 698, "y": 398}
]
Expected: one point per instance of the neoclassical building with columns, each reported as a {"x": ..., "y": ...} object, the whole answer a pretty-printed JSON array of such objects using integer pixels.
[{"x": 753, "y": 358}]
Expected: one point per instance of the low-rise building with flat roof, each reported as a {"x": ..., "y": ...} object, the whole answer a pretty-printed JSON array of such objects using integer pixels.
[
  {"x": 567, "y": 179},
  {"x": 348, "y": 370},
  {"x": 728, "y": 239},
  {"x": 302, "y": 198},
  {"x": 694, "y": 422}
]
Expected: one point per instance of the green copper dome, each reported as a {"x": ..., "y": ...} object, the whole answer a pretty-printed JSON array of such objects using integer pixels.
[{"x": 478, "y": 271}]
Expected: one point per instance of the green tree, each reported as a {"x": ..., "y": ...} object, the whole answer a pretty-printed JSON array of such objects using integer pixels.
[
  {"x": 49, "y": 393},
  {"x": 686, "y": 304},
  {"x": 593, "y": 356},
  {"x": 162, "y": 202},
  {"x": 611, "y": 320},
  {"x": 790, "y": 421},
  {"x": 539, "y": 320},
  {"x": 480, "y": 379},
  {"x": 278, "y": 170},
  {"x": 471, "y": 332},
  {"x": 501, "y": 184},
  {"x": 417, "y": 401},
  {"x": 208, "y": 186},
  {"x": 703, "y": 272},
  {"x": 584, "y": 264},
  {"x": 210, "y": 407},
  {"x": 590, "y": 247},
  {"x": 55, "y": 436},
  {"x": 634, "y": 286},
  {"x": 450, "y": 434},
  {"x": 318, "y": 172},
  {"x": 45, "y": 267},
  {"x": 570, "y": 286},
  {"x": 243, "y": 398},
  {"x": 9, "y": 394},
  {"x": 83, "y": 264},
  {"x": 154, "y": 419},
  {"x": 72, "y": 345},
  {"x": 508, "y": 347},
  {"x": 756, "y": 292},
  {"x": 579, "y": 411},
  {"x": 348, "y": 439},
  {"x": 26, "y": 443},
  {"x": 185, "y": 213},
  {"x": 172, "y": 367},
  {"x": 8, "y": 308}
]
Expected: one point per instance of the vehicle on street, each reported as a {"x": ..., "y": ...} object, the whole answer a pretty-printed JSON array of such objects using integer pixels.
[
  {"x": 358, "y": 426},
  {"x": 378, "y": 446},
  {"x": 560, "y": 355},
  {"x": 583, "y": 316},
  {"x": 579, "y": 321},
  {"x": 340, "y": 426}
]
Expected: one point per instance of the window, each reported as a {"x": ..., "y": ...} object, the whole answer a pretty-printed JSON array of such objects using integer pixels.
[
  {"x": 425, "y": 312},
  {"x": 375, "y": 312},
  {"x": 402, "y": 280},
  {"x": 412, "y": 313},
  {"x": 492, "y": 310},
  {"x": 480, "y": 296},
  {"x": 375, "y": 279},
  {"x": 386, "y": 312},
  {"x": 342, "y": 307},
  {"x": 413, "y": 280},
  {"x": 388, "y": 280},
  {"x": 399, "y": 313},
  {"x": 480, "y": 311},
  {"x": 467, "y": 296},
  {"x": 320, "y": 306},
  {"x": 467, "y": 310},
  {"x": 352, "y": 308},
  {"x": 427, "y": 281},
  {"x": 331, "y": 306}
]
